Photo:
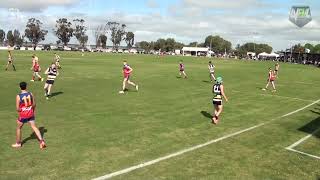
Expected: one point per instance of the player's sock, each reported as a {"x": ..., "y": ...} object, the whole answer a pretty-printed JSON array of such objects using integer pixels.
[{"x": 14, "y": 68}]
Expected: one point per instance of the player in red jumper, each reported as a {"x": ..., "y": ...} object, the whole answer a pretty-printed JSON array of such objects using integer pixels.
[
  {"x": 127, "y": 70},
  {"x": 271, "y": 79},
  {"x": 36, "y": 68},
  {"x": 25, "y": 105}
]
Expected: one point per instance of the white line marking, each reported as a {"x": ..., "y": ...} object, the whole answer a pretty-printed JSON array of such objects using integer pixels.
[
  {"x": 290, "y": 148},
  {"x": 290, "y": 113},
  {"x": 298, "y": 82},
  {"x": 71, "y": 58},
  {"x": 299, "y": 142},
  {"x": 303, "y": 153},
  {"x": 124, "y": 171},
  {"x": 286, "y": 97},
  {"x": 274, "y": 95},
  {"x": 148, "y": 163}
]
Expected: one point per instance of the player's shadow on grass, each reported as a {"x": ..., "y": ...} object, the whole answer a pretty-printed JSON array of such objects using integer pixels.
[
  {"x": 206, "y": 114},
  {"x": 34, "y": 136},
  {"x": 56, "y": 94},
  {"x": 312, "y": 126},
  {"x": 178, "y": 77},
  {"x": 205, "y": 81}
]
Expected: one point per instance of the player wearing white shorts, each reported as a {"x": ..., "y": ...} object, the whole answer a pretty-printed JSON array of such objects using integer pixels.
[{"x": 211, "y": 71}]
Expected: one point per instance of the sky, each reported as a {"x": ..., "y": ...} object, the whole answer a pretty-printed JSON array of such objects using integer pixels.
[{"x": 238, "y": 21}]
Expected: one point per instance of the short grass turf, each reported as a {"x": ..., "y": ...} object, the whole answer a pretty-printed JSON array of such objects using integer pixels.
[{"x": 91, "y": 130}]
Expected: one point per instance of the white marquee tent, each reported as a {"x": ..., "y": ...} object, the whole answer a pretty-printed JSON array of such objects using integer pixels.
[
  {"x": 189, "y": 51},
  {"x": 264, "y": 54}
]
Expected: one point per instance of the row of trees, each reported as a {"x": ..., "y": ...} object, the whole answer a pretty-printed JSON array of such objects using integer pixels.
[
  {"x": 12, "y": 37},
  {"x": 64, "y": 30},
  {"x": 216, "y": 43},
  {"x": 161, "y": 44},
  {"x": 309, "y": 48},
  {"x": 252, "y": 47}
]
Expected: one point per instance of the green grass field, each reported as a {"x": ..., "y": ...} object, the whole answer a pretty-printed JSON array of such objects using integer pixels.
[{"x": 91, "y": 130}]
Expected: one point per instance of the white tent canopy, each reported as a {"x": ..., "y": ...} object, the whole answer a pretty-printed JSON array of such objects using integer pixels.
[
  {"x": 273, "y": 55},
  {"x": 194, "y": 50},
  {"x": 264, "y": 54}
]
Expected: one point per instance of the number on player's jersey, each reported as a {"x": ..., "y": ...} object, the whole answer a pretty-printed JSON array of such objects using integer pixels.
[
  {"x": 216, "y": 88},
  {"x": 27, "y": 100}
]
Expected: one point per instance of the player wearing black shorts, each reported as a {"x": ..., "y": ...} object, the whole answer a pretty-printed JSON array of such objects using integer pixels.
[
  {"x": 10, "y": 61},
  {"x": 52, "y": 73},
  {"x": 218, "y": 93}
]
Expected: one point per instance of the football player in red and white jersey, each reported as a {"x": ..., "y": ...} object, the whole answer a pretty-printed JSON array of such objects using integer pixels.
[
  {"x": 36, "y": 68},
  {"x": 25, "y": 106},
  {"x": 271, "y": 79},
  {"x": 127, "y": 70}
]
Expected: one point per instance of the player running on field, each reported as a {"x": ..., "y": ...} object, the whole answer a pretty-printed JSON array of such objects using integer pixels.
[
  {"x": 182, "y": 69},
  {"x": 271, "y": 80},
  {"x": 10, "y": 61},
  {"x": 57, "y": 60},
  {"x": 26, "y": 105},
  {"x": 36, "y": 68},
  {"x": 276, "y": 68},
  {"x": 218, "y": 92},
  {"x": 52, "y": 73},
  {"x": 211, "y": 71},
  {"x": 127, "y": 70}
]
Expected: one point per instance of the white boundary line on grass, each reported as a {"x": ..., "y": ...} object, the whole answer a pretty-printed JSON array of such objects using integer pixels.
[
  {"x": 303, "y": 153},
  {"x": 278, "y": 96},
  {"x": 151, "y": 162},
  {"x": 286, "y": 97},
  {"x": 292, "y": 146}
]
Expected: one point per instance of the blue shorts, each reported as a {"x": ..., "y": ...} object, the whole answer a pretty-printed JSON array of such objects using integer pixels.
[{"x": 26, "y": 120}]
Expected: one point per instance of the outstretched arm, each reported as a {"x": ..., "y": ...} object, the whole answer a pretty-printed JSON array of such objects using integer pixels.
[
  {"x": 222, "y": 93},
  {"x": 46, "y": 72}
]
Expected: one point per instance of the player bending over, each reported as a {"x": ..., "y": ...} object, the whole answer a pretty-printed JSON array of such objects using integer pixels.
[
  {"x": 211, "y": 71},
  {"x": 218, "y": 92},
  {"x": 52, "y": 73},
  {"x": 127, "y": 70},
  {"x": 181, "y": 70},
  {"x": 271, "y": 80},
  {"x": 57, "y": 60},
  {"x": 10, "y": 61},
  {"x": 26, "y": 105},
  {"x": 36, "y": 68}
]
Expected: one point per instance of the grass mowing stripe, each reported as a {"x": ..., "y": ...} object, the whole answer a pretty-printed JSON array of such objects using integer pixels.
[{"x": 148, "y": 163}]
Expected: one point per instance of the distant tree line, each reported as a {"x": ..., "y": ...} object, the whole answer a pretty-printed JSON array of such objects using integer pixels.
[
  {"x": 64, "y": 30},
  {"x": 307, "y": 48}
]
